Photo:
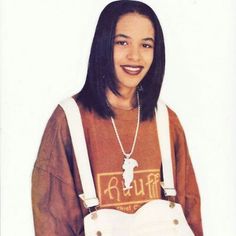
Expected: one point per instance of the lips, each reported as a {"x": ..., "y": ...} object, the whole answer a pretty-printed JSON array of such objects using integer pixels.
[{"x": 132, "y": 70}]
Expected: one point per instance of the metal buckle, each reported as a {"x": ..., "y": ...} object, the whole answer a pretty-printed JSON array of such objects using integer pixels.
[{"x": 93, "y": 212}]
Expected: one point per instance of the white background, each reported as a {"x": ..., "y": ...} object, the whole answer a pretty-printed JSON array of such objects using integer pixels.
[{"x": 44, "y": 53}]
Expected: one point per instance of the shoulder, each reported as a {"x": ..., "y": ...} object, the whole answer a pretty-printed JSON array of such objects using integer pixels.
[
  {"x": 59, "y": 116},
  {"x": 176, "y": 128},
  {"x": 88, "y": 117},
  {"x": 174, "y": 119},
  {"x": 178, "y": 138},
  {"x": 55, "y": 141}
]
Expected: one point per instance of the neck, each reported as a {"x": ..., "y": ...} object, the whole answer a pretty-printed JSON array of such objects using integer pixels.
[{"x": 126, "y": 101}]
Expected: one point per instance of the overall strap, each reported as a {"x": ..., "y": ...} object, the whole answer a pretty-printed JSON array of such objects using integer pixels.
[
  {"x": 89, "y": 197},
  {"x": 163, "y": 130},
  {"x": 75, "y": 125}
]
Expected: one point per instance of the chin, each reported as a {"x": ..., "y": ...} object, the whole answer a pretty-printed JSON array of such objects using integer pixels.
[{"x": 128, "y": 85}]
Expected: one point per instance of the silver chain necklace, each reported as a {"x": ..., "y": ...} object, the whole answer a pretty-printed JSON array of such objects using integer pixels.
[{"x": 129, "y": 163}]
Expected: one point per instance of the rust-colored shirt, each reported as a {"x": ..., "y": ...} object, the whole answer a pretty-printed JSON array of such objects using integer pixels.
[{"x": 56, "y": 183}]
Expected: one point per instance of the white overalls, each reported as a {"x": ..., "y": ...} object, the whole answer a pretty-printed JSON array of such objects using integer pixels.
[{"x": 155, "y": 218}]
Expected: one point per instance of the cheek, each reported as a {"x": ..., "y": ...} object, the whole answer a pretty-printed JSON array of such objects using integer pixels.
[
  {"x": 149, "y": 58},
  {"x": 117, "y": 60},
  {"x": 117, "y": 55}
]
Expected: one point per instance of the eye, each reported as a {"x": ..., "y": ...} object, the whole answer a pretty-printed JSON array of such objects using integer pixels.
[
  {"x": 122, "y": 43},
  {"x": 145, "y": 45}
]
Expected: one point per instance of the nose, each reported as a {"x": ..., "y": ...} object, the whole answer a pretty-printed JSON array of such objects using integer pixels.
[{"x": 134, "y": 54}]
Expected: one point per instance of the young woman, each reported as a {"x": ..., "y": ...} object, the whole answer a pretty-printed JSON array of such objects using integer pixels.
[{"x": 117, "y": 106}]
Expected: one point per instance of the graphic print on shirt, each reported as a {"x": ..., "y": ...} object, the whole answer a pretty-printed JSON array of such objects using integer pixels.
[{"x": 111, "y": 192}]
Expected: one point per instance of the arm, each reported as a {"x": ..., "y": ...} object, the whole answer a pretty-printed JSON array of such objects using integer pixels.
[
  {"x": 187, "y": 189},
  {"x": 56, "y": 207}
]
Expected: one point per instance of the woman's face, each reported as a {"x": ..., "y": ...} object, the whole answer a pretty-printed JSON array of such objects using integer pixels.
[{"x": 133, "y": 49}]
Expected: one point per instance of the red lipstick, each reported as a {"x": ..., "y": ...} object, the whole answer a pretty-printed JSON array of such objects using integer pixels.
[{"x": 132, "y": 70}]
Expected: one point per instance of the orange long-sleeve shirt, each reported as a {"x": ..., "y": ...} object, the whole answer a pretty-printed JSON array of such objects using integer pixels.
[{"x": 56, "y": 183}]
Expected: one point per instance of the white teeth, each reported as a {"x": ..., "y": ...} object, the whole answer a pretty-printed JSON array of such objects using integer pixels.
[{"x": 132, "y": 68}]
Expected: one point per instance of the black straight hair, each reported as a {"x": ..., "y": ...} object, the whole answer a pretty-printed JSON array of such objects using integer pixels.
[{"x": 101, "y": 72}]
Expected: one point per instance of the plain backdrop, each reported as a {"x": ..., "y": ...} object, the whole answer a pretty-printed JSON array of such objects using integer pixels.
[{"x": 44, "y": 54}]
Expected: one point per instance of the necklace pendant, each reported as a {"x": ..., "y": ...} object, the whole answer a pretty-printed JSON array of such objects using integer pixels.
[{"x": 128, "y": 174}]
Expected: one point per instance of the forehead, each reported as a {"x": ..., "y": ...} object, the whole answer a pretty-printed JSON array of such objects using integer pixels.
[{"x": 135, "y": 24}]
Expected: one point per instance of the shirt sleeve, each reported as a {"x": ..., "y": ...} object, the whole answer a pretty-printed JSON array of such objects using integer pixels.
[
  {"x": 56, "y": 207},
  {"x": 186, "y": 184}
]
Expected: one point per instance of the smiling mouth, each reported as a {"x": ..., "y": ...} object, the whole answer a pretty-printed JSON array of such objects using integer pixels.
[{"x": 132, "y": 70}]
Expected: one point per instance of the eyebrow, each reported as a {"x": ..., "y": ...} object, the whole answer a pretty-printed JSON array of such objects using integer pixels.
[
  {"x": 149, "y": 39},
  {"x": 128, "y": 37}
]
